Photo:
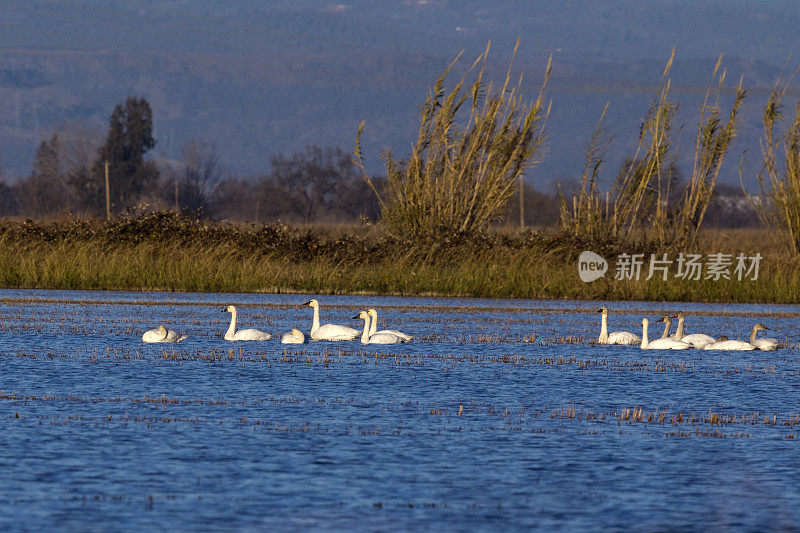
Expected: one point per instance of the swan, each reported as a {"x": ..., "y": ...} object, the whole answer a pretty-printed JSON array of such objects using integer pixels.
[
  {"x": 162, "y": 334},
  {"x": 763, "y": 343},
  {"x": 660, "y": 344},
  {"x": 698, "y": 340},
  {"x": 618, "y": 337},
  {"x": 155, "y": 335},
  {"x": 293, "y": 337},
  {"x": 373, "y": 315},
  {"x": 729, "y": 345},
  {"x": 329, "y": 332},
  {"x": 243, "y": 334},
  {"x": 377, "y": 338},
  {"x": 172, "y": 336},
  {"x": 667, "y": 320}
]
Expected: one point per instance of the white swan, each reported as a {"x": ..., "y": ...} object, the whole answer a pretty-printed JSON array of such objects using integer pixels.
[
  {"x": 763, "y": 343},
  {"x": 373, "y": 315},
  {"x": 698, "y": 340},
  {"x": 243, "y": 334},
  {"x": 729, "y": 345},
  {"x": 329, "y": 332},
  {"x": 162, "y": 334},
  {"x": 618, "y": 337},
  {"x": 660, "y": 344},
  {"x": 293, "y": 337},
  {"x": 377, "y": 338},
  {"x": 667, "y": 320},
  {"x": 155, "y": 335}
]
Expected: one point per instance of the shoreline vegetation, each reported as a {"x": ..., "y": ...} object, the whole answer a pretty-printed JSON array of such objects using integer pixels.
[
  {"x": 436, "y": 209},
  {"x": 175, "y": 253}
]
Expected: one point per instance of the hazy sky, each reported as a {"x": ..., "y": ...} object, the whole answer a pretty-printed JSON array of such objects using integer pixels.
[{"x": 260, "y": 78}]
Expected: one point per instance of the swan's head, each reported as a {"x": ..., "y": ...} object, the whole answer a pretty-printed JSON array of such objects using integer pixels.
[
  {"x": 312, "y": 303},
  {"x": 162, "y": 330},
  {"x": 665, "y": 318},
  {"x": 363, "y": 315},
  {"x": 680, "y": 315},
  {"x": 759, "y": 327},
  {"x": 603, "y": 310},
  {"x": 296, "y": 332},
  {"x": 229, "y": 309},
  {"x": 372, "y": 313},
  {"x": 645, "y": 322},
  {"x": 722, "y": 338}
]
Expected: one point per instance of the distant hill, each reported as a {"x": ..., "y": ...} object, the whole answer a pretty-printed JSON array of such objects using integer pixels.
[{"x": 271, "y": 78}]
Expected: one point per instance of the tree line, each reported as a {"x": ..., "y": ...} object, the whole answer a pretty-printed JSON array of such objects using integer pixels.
[
  {"x": 68, "y": 177},
  {"x": 315, "y": 185}
]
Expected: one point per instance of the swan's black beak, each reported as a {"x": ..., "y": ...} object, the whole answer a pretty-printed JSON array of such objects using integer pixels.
[
  {"x": 660, "y": 319},
  {"x": 766, "y": 328},
  {"x": 356, "y": 317},
  {"x": 599, "y": 310},
  {"x": 307, "y": 303}
]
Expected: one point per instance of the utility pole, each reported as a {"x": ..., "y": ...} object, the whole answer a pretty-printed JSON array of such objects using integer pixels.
[
  {"x": 521, "y": 204},
  {"x": 108, "y": 196}
]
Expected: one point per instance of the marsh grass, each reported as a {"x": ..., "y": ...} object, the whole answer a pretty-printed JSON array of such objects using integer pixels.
[{"x": 173, "y": 254}]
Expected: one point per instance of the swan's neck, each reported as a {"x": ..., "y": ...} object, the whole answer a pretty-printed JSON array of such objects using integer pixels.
[
  {"x": 315, "y": 323},
  {"x": 679, "y": 331},
  {"x": 366, "y": 334},
  {"x": 373, "y": 324},
  {"x": 603, "y": 328},
  {"x": 644, "y": 335},
  {"x": 666, "y": 330},
  {"x": 232, "y": 328},
  {"x": 753, "y": 335}
]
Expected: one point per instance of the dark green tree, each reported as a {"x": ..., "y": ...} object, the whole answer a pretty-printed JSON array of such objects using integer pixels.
[
  {"x": 130, "y": 137},
  {"x": 44, "y": 192}
]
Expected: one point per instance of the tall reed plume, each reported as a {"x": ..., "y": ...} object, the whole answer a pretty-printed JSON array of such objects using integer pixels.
[{"x": 462, "y": 173}]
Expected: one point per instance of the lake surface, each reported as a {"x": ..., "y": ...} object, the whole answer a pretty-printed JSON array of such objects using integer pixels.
[{"x": 501, "y": 414}]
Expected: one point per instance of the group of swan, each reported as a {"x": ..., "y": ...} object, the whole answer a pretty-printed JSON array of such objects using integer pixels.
[
  {"x": 384, "y": 336},
  {"x": 327, "y": 332},
  {"x": 370, "y": 335},
  {"x": 679, "y": 341}
]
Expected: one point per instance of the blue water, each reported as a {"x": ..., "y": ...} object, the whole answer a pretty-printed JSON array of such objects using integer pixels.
[{"x": 101, "y": 432}]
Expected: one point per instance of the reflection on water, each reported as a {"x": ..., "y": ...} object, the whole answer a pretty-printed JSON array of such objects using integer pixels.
[{"x": 500, "y": 414}]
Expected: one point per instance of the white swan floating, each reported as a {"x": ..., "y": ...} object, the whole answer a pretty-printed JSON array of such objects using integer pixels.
[
  {"x": 373, "y": 315},
  {"x": 618, "y": 337},
  {"x": 763, "y": 343},
  {"x": 295, "y": 336},
  {"x": 162, "y": 334},
  {"x": 660, "y": 344},
  {"x": 667, "y": 320},
  {"x": 243, "y": 334},
  {"x": 381, "y": 337},
  {"x": 729, "y": 345},
  {"x": 329, "y": 332},
  {"x": 697, "y": 340}
]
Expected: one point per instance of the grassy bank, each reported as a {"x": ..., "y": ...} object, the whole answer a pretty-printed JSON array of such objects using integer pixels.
[{"x": 162, "y": 252}]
